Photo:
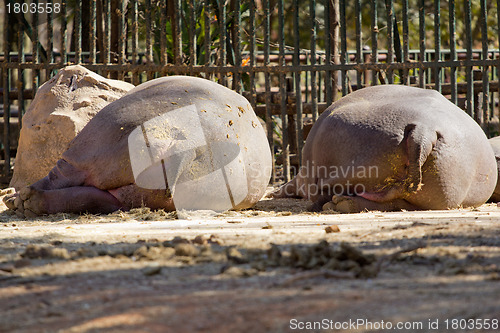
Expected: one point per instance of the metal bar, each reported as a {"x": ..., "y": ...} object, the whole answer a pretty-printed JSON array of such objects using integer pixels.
[
  {"x": 343, "y": 48},
  {"x": 207, "y": 43},
  {"x": 437, "y": 43},
  {"x": 497, "y": 66},
  {"x": 36, "y": 51},
  {"x": 107, "y": 32},
  {"x": 252, "y": 40},
  {"x": 328, "y": 59},
  {"x": 178, "y": 33},
  {"x": 149, "y": 44},
  {"x": 359, "y": 47},
  {"x": 267, "y": 78},
  {"x": 50, "y": 38},
  {"x": 6, "y": 102},
  {"x": 312, "y": 58},
  {"x": 374, "y": 40},
  {"x": 468, "y": 69},
  {"x": 390, "y": 38},
  {"x": 222, "y": 40},
  {"x": 236, "y": 46},
  {"x": 485, "y": 55},
  {"x": 171, "y": 68},
  {"x": 298, "y": 85},
  {"x": 78, "y": 32},
  {"x": 93, "y": 29},
  {"x": 284, "y": 113},
  {"x": 20, "y": 73},
  {"x": 453, "y": 51},
  {"x": 122, "y": 39},
  {"x": 64, "y": 37},
  {"x": 406, "y": 43},
  {"x": 421, "y": 15},
  {"x": 192, "y": 34},
  {"x": 135, "y": 40},
  {"x": 163, "y": 32}
]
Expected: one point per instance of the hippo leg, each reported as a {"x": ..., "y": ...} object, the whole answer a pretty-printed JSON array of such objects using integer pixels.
[
  {"x": 346, "y": 204},
  {"x": 32, "y": 202},
  {"x": 61, "y": 190}
]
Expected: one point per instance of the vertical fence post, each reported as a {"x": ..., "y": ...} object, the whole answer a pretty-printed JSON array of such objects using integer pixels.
[
  {"x": 468, "y": 67},
  {"x": 390, "y": 39},
  {"x": 221, "y": 17},
  {"x": 6, "y": 102},
  {"x": 236, "y": 46},
  {"x": 422, "y": 58},
  {"x": 298, "y": 84},
  {"x": 437, "y": 44},
  {"x": 122, "y": 38},
  {"x": 64, "y": 37},
  {"x": 50, "y": 43},
  {"x": 252, "y": 39},
  {"x": 283, "y": 92},
  {"x": 267, "y": 78},
  {"x": 374, "y": 59},
  {"x": 78, "y": 32},
  {"x": 453, "y": 52},
  {"x": 485, "y": 56},
  {"x": 20, "y": 74},
  {"x": 192, "y": 36},
  {"x": 406, "y": 43},
  {"x": 207, "y": 42},
  {"x": 359, "y": 41},
  {"x": 314, "y": 88},
  {"x": 135, "y": 41},
  {"x": 93, "y": 29}
]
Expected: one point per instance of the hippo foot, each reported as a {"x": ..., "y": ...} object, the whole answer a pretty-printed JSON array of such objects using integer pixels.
[
  {"x": 356, "y": 204},
  {"x": 344, "y": 204},
  {"x": 25, "y": 203}
]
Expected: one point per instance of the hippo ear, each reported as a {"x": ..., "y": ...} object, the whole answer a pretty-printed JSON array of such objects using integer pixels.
[{"x": 419, "y": 143}]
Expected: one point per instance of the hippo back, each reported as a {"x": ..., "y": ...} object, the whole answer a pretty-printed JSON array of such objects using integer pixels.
[{"x": 219, "y": 116}]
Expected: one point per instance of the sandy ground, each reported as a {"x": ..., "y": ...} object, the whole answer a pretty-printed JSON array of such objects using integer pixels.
[{"x": 274, "y": 268}]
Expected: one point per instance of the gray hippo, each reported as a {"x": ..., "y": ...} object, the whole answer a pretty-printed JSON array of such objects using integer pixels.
[
  {"x": 394, "y": 147},
  {"x": 495, "y": 144},
  {"x": 173, "y": 142}
]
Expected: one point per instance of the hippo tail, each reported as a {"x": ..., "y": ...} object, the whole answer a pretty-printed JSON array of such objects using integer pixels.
[{"x": 420, "y": 141}]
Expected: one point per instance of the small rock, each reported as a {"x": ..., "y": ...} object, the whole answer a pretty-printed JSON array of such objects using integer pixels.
[
  {"x": 34, "y": 251},
  {"x": 175, "y": 241},
  {"x": 235, "y": 272},
  {"x": 214, "y": 239},
  {"x": 200, "y": 240},
  {"x": 332, "y": 228},
  {"x": 234, "y": 255},
  {"x": 151, "y": 270},
  {"x": 186, "y": 250},
  {"x": 22, "y": 263}
]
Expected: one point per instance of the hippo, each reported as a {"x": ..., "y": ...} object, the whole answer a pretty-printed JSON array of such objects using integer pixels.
[
  {"x": 394, "y": 147},
  {"x": 495, "y": 144},
  {"x": 172, "y": 142}
]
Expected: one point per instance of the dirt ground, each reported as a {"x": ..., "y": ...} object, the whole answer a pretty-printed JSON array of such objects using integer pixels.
[{"x": 273, "y": 268}]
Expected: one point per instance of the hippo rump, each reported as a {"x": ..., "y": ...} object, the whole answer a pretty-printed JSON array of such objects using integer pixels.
[
  {"x": 170, "y": 136},
  {"x": 495, "y": 144},
  {"x": 394, "y": 147}
]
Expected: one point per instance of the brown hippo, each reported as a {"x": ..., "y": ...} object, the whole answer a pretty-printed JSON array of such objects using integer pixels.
[
  {"x": 394, "y": 147},
  {"x": 495, "y": 144},
  {"x": 176, "y": 142}
]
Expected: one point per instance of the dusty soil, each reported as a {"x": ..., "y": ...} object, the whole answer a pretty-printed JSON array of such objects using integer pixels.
[{"x": 274, "y": 268}]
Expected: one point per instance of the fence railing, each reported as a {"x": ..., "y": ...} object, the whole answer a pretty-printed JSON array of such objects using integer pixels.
[{"x": 290, "y": 59}]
